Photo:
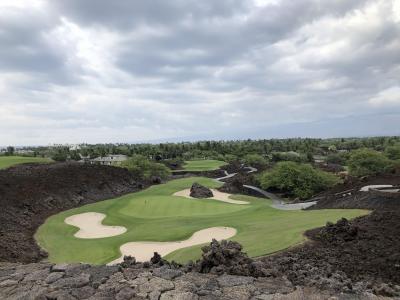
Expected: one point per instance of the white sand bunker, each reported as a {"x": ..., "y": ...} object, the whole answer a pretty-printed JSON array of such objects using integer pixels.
[
  {"x": 90, "y": 226},
  {"x": 144, "y": 251},
  {"x": 220, "y": 196}
]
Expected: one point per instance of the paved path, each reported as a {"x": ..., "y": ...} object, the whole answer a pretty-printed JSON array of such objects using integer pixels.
[
  {"x": 277, "y": 202},
  {"x": 227, "y": 175}
]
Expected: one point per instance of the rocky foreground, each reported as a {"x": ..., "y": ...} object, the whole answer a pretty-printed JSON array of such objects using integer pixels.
[{"x": 210, "y": 278}]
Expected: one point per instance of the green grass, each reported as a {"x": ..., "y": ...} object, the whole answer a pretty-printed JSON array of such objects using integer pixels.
[
  {"x": 8, "y": 161},
  {"x": 155, "y": 215},
  {"x": 203, "y": 165}
]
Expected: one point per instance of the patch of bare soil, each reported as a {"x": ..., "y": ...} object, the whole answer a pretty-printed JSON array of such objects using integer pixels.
[{"x": 30, "y": 193}]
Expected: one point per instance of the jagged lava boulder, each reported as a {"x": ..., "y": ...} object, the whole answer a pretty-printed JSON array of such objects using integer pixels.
[
  {"x": 227, "y": 257},
  {"x": 199, "y": 191}
]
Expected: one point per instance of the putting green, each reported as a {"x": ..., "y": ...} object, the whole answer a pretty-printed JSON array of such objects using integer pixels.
[
  {"x": 8, "y": 161},
  {"x": 155, "y": 214},
  {"x": 203, "y": 165}
]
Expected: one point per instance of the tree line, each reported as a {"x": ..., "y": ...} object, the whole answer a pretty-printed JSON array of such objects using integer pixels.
[{"x": 301, "y": 149}]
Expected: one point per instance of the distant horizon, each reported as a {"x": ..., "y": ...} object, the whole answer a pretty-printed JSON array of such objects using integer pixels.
[
  {"x": 130, "y": 71},
  {"x": 155, "y": 142}
]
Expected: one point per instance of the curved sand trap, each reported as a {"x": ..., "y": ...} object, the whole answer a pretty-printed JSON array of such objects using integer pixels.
[
  {"x": 367, "y": 187},
  {"x": 144, "y": 251},
  {"x": 90, "y": 226},
  {"x": 220, "y": 196}
]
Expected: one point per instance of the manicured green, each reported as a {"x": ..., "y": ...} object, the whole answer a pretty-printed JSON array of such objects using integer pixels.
[
  {"x": 8, "y": 161},
  {"x": 155, "y": 215},
  {"x": 203, "y": 165}
]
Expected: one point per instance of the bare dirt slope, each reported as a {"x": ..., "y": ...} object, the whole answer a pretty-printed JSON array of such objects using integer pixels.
[{"x": 30, "y": 193}]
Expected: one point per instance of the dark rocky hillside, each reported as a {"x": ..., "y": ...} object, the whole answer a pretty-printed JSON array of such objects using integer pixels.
[
  {"x": 30, "y": 193},
  {"x": 348, "y": 195}
]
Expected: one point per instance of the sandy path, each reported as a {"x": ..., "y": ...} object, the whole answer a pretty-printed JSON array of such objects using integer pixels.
[
  {"x": 90, "y": 226},
  {"x": 143, "y": 251},
  {"x": 220, "y": 196}
]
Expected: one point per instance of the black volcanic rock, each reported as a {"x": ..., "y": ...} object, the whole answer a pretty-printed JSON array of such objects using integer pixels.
[
  {"x": 227, "y": 257},
  {"x": 30, "y": 193},
  {"x": 199, "y": 191}
]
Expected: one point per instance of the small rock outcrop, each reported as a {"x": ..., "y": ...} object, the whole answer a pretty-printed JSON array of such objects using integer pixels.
[
  {"x": 227, "y": 257},
  {"x": 199, "y": 191}
]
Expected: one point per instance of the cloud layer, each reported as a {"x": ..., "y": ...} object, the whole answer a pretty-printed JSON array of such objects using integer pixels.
[{"x": 126, "y": 71}]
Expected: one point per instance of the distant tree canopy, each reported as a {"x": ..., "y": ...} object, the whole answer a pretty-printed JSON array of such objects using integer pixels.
[
  {"x": 364, "y": 162},
  {"x": 336, "y": 158},
  {"x": 144, "y": 169},
  {"x": 296, "y": 179},
  {"x": 10, "y": 150},
  {"x": 292, "y": 149},
  {"x": 74, "y": 155},
  {"x": 393, "y": 152},
  {"x": 254, "y": 160},
  {"x": 288, "y": 156},
  {"x": 230, "y": 158}
]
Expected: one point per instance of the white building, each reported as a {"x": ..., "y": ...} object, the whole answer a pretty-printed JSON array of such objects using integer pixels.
[{"x": 74, "y": 147}]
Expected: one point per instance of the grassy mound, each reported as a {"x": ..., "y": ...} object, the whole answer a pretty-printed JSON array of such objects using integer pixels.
[
  {"x": 155, "y": 215},
  {"x": 8, "y": 161},
  {"x": 203, "y": 165}
]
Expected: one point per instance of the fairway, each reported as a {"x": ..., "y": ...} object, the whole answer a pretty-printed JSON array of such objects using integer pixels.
[
  {"x": 155, "y": 214},
  {"x": 8, "y": 161},
  {"x": 203, "y": 165}
]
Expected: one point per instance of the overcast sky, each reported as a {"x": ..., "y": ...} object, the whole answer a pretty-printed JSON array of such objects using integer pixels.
[{"x": 124, "y": 71}]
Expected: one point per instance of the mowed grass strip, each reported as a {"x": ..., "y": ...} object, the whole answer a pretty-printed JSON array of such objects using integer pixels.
[
  {"x": 155, "y": 215},
  {"x": 8, "y": 161},
  {"x": 203, "y": 165}
]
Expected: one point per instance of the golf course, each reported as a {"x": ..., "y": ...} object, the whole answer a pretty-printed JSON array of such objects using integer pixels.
[
  {"x": 203, "y": 165},
  {"x": 156, "y": 215},
  {"x": 8, "y": 161}
]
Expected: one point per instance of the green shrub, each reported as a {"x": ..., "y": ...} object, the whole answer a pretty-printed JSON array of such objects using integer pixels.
[
  {"x": 299, "y": 180},
  {"x": 393, "y": 152},
  {"x": 144, "y": 169},
  {"x": 336, "y": 158},
  {"x": 364, "y": 162},
  {"x": 288, "y": 156},
  {"x": 59, "y": 156},
  {"x": 230, "y": 158},
  {"x": 254, "y": 160}
]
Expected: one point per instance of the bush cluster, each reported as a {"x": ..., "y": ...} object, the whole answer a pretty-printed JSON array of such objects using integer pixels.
[
  {"x": 296, "y": 179},
  {"x": 144, "y": 169}
]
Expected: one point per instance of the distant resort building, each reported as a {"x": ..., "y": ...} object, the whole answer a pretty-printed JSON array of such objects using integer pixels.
[
  {"x": 74, "y": 147},
  {"x": 109, "y": 160}
]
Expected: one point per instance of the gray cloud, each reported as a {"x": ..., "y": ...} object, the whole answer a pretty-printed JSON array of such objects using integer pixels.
[{"x": 98, "y": 71}]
